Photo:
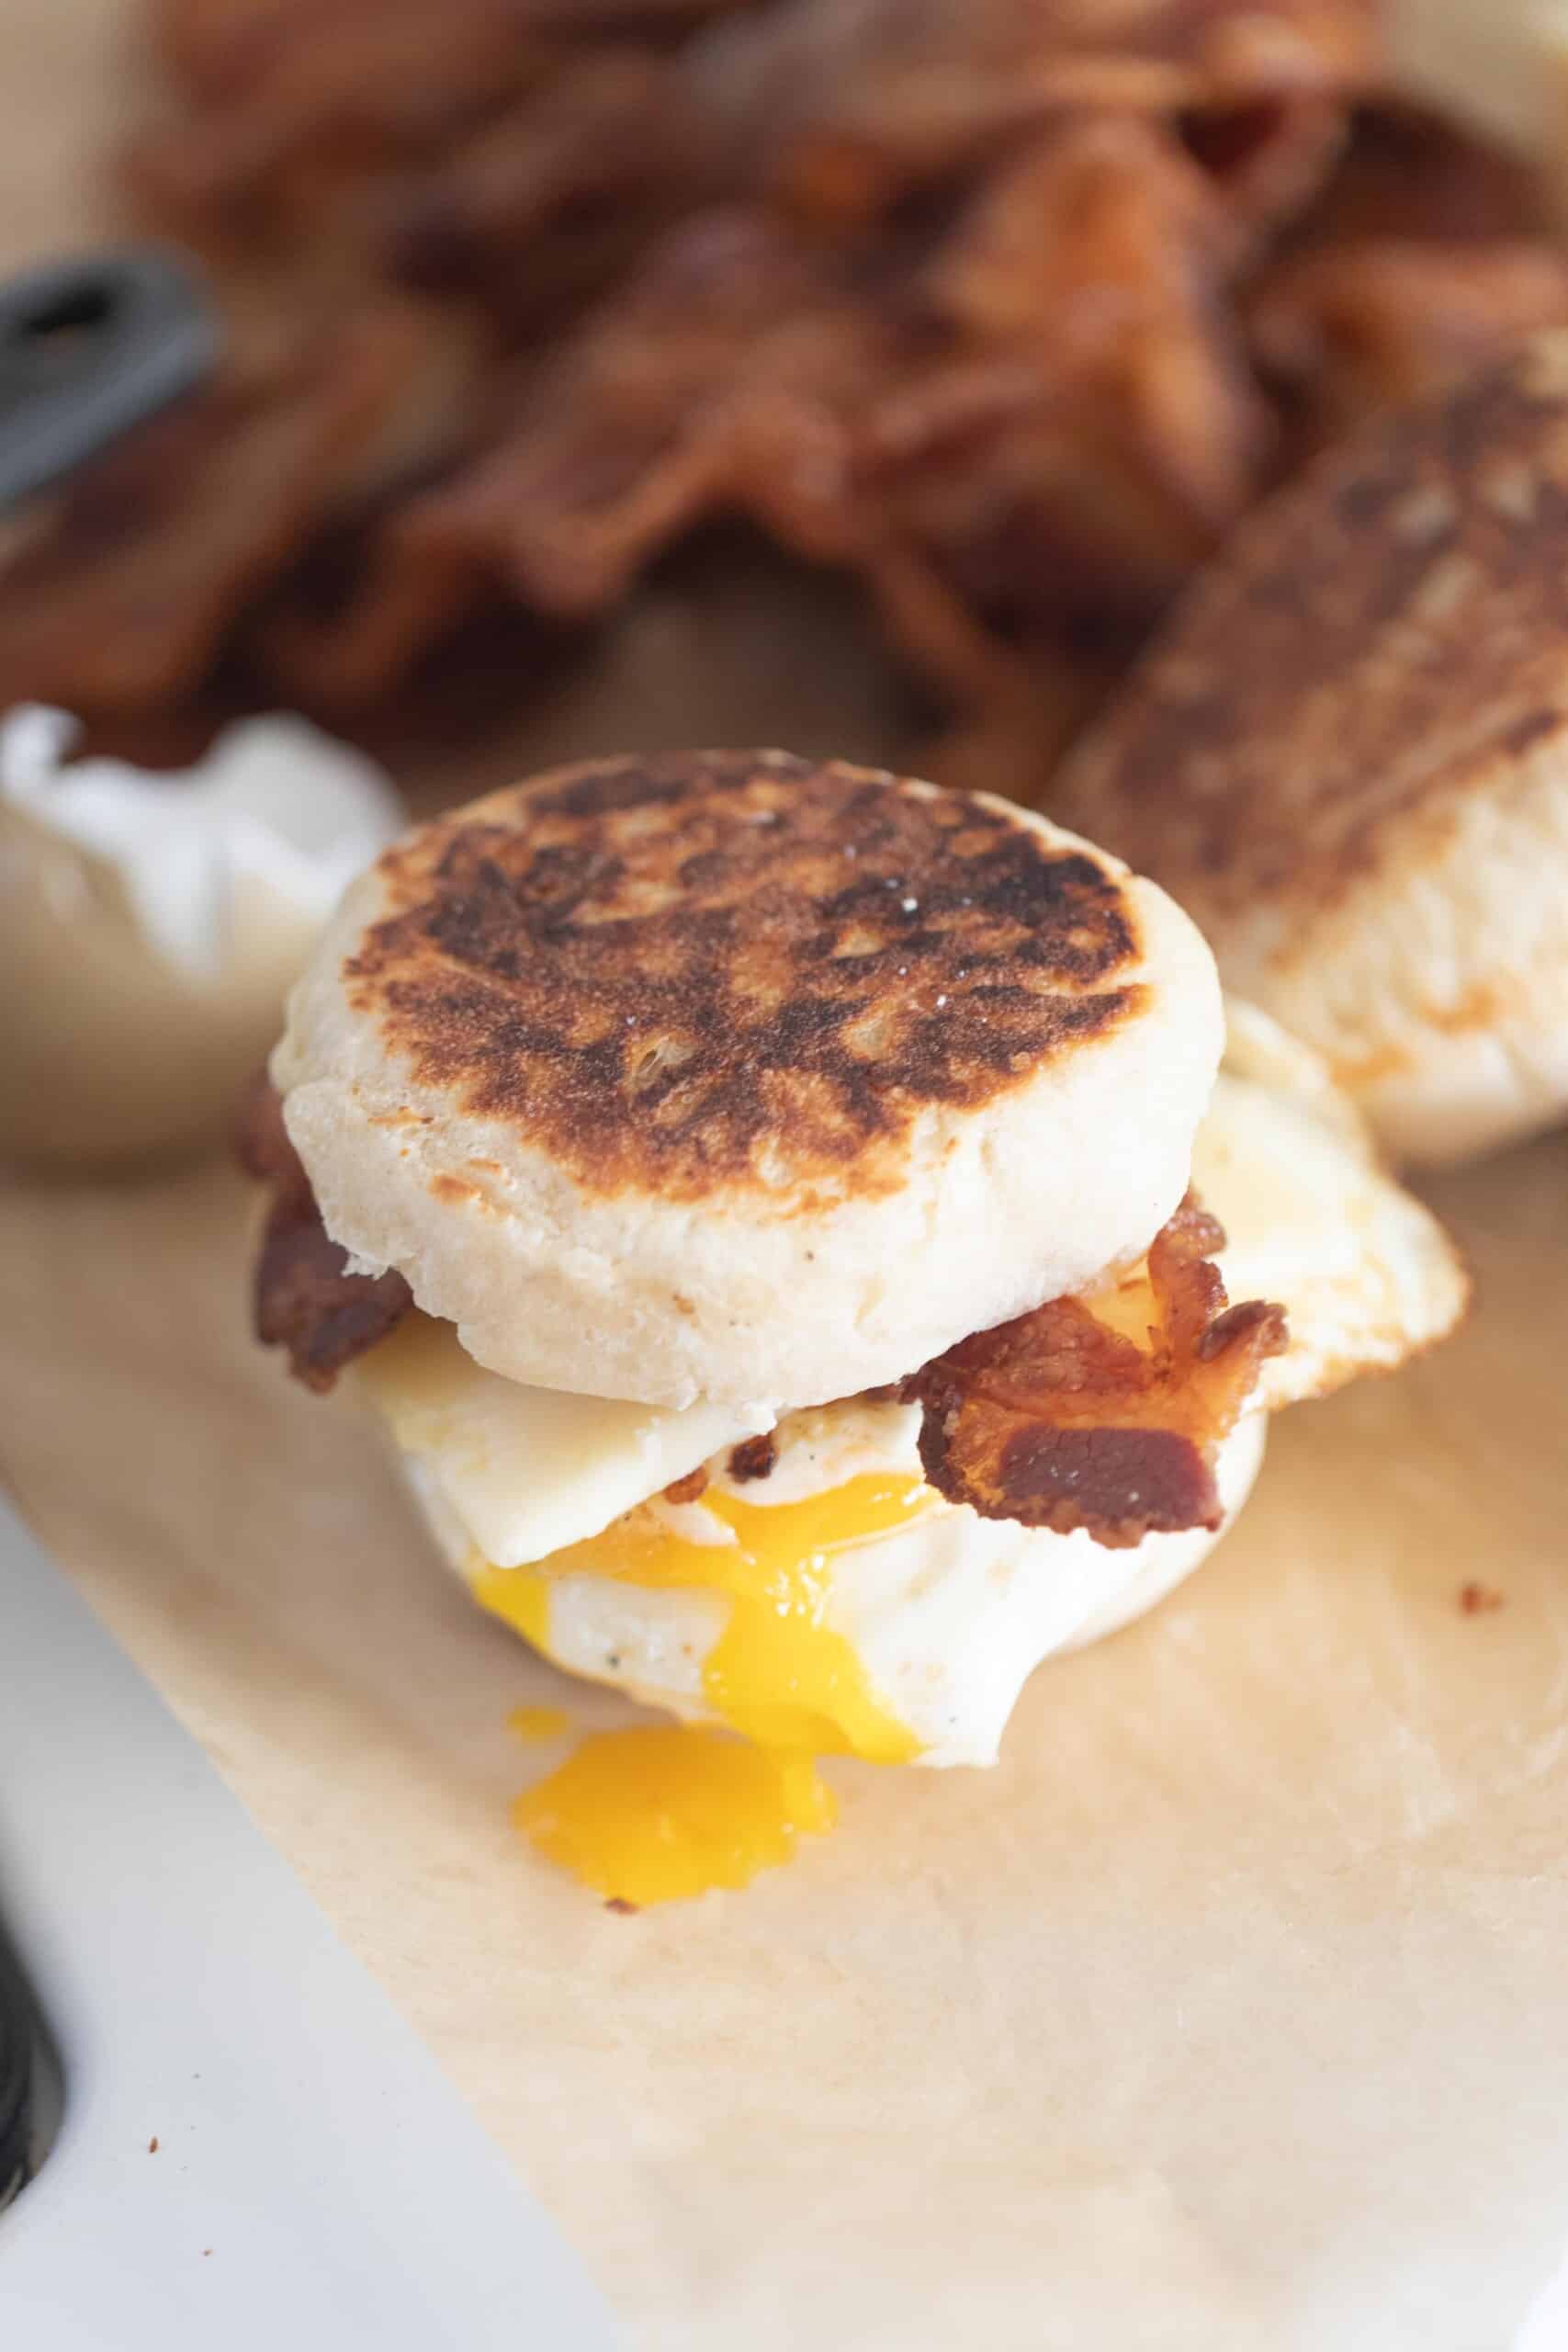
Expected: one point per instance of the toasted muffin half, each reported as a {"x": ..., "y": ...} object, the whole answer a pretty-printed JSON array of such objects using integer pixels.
[
  {"x": 1347, "y": 758},
  {"x": 730, "y": 1076}
]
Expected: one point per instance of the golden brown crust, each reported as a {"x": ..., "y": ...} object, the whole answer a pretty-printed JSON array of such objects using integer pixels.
[
  {"x": 1394, "y": 624},
  {"x": 699, "y": 972}
]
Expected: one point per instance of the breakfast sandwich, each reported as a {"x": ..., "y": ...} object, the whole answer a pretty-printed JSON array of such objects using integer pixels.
[
  {"x": 779, "y": 1212},
  {"x": 1347, "y": 756}
]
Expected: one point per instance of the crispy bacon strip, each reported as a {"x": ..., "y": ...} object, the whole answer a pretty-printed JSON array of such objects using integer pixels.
[
  {"x": 990, "y": 451},
  {"x": 1356, "y": 327},
  {"x": 305, "y": 1300},
  {"x": 1004, "y": 309},
  {"x": 118, "y": 590},
  {"x": 1056, "y": 1421}
]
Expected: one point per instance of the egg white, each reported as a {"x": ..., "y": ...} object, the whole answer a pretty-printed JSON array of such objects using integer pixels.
[{"x": 948, "y": 1614}]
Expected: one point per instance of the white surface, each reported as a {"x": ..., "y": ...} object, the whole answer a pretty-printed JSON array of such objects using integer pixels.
[{"x": 305, "y": 2136}]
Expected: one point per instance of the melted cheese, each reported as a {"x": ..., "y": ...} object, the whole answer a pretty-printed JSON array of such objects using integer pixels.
[
  {"x": 778, "y": 1670},
  {"x": 533, "y": 1724},
  {"x": 527, "y": 1471},
  {"x": 839, "y": 1605},
  {"x": 659, "y": 1813},
  {"x": 871, "y": 1617}
]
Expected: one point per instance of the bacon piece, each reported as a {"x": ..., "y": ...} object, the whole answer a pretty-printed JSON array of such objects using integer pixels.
[
  {"x": 842, "y": 112},
  {"x": 118, "y": 589},
  {"x": 297, "y": 107},
  {"x": 714, "y": 381},
  {"x": 307, "y": 1302},
  {"x": 1350, "y": 329},
  {"x": 295, "y": 104},
  {"x": 991, "y": 450},
  {"x": 1055, "y": 1420},
  {"x": 1058, "y": 450},
  {"x": 305, "y": 1299},
  {"x": 997, "y": 307},
  {"x": 1267, "y": 160},
  {"x": 262, "y": 1145},
  {"x": 579, "y": 176},
  {"x": 1412, "y": 176}
]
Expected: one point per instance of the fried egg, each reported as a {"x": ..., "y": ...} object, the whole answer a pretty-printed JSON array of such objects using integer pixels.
[{"x": 837, "y": 1604}]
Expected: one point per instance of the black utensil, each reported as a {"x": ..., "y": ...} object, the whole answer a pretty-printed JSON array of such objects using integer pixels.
[
  {"x": 89, "y": 347},
  {"x": 16, "y": 2076}
]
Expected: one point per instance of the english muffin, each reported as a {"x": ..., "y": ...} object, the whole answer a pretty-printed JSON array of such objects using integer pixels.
[
  {"x": 754, "y": 1196},
  {"x": 661, "y": 1078},
  {"x": 1347, "y": 757}
]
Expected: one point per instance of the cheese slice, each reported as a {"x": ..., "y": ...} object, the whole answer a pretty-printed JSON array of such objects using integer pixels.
[
  {"x": 874, "y": 1620},
  {"x": 528, "y": 1471},
  {"x": 513, "y": 1475}
]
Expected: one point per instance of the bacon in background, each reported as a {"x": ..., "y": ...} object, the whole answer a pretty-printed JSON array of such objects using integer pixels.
[{"x": 1006, "y": 311}]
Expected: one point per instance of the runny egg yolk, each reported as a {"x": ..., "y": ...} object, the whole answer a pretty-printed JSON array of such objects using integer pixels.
[
  {"x": 538, "y": 1723},
  {"x": 779, "y": 1674},
  {"x": 663, "y": 1811}
]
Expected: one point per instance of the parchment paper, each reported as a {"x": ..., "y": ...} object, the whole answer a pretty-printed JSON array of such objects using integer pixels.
[{"x": 1231, "y": 2011}]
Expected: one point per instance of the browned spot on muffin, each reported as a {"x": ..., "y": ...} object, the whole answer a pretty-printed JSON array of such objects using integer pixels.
[
  {"x": 708, "y": 970},
  {"x": 1373, "y": 1067},
  {"x": 1477, "y": 1007},
  {"x": 452, "y": 1190},
  {"x": 1375, "y": 641}
]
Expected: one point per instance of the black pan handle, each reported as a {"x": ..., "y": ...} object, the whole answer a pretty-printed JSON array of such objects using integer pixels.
[
  {"x": 16, "y": 2076},
  {"x": 88, "y": 347}
]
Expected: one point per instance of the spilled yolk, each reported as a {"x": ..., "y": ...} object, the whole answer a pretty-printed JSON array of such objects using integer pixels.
[
  {"x": 653, "y": 1815},
  {"x": 778, "y": 1673},
  {"x": 538, "y": 1723},
  {"x": 661, "y": 1812}
]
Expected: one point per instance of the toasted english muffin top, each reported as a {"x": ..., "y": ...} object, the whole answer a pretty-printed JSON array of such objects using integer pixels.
[
  {"x": 739, "y": 1076},
  {"x": 702, "y": 971}
]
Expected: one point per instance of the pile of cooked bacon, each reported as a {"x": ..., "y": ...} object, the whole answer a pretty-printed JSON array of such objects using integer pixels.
[
  {"x": 1005, "y": 307},
  {"x": 1054, "y": 1419}
]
